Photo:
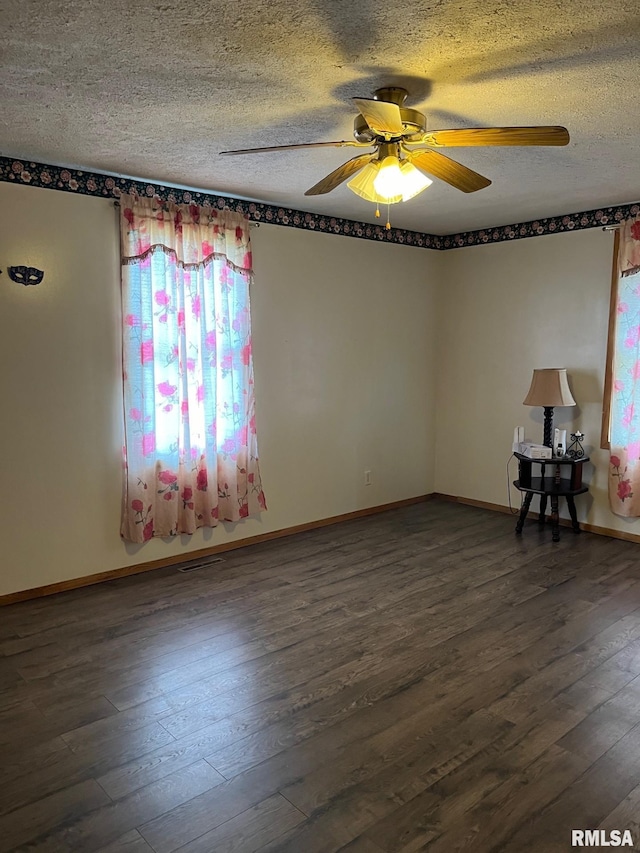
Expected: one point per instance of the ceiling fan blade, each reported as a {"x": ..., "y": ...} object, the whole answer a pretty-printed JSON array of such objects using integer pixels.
[
  {"x": 381, "y": 116},
  {"x": 341, "y": 144},
  {"x": 551, "y": 135},
  {"x": 439, "y": 166},
  {"x": 335, "y": 178}
]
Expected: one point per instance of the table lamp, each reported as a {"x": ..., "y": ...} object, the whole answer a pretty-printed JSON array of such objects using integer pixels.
[{"x": 549, "y": 388}]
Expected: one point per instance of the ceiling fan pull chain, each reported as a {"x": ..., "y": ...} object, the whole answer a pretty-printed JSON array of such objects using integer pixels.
[
  {"x": 388, "y": 225},
  {"x": 377, "y": 211}
]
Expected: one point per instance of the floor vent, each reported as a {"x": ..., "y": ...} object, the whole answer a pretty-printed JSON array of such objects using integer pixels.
[{"x": 199, "y": 564}]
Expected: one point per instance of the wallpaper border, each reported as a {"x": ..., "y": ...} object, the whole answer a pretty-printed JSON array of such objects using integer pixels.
[{"x": 105, "y": 185}]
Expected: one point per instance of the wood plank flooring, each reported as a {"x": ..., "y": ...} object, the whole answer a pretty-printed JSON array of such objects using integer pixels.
[{"x": 423, "y": 679}]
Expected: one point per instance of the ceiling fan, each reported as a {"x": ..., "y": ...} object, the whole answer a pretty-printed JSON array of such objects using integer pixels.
[{"x": 404, "y": 152}]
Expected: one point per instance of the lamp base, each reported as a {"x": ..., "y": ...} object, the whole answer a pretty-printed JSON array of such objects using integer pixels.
[{"x": 548, "y": 426}]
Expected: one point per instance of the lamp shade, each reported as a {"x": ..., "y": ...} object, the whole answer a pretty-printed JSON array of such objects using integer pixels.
[
  {"x": 549, "y": 387},
  {"x": 414, "y": 181},
  {"x": 389, "y": 181},
  {"x": 364, "y": 185},
  {"x": 399, "y": 176}
]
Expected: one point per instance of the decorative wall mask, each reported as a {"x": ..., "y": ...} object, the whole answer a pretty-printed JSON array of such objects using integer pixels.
[{"x": 25, "y": 275}]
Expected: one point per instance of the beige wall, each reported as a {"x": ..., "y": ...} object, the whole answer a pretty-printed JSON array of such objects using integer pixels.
[
  {"x": 344, "y": 342},
  {"x": 503, "y": 310},
  {"x": 359, "y": 348}
]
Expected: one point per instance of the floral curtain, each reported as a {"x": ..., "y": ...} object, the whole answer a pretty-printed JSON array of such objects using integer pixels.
[
  {"x": 624, "y": 468},
  {"x": 191, "y": 456}
]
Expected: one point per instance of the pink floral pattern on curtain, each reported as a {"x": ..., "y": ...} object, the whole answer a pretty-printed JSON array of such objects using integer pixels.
[
  {"x": 191, "y": 456},
  {"x": 624, "y": 468}
]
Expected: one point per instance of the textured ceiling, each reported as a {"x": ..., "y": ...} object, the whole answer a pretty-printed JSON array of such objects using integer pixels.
[{"x": 156, "y": 89}]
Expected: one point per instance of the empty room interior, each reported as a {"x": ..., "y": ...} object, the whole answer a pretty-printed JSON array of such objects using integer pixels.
[{"x": 320, "y": 345}]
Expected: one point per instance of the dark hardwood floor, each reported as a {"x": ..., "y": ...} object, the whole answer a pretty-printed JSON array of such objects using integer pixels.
[{"x": 422, "y": 679}]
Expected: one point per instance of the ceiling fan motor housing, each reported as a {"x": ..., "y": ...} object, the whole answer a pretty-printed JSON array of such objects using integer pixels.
[{"x": 414, "y": 124}]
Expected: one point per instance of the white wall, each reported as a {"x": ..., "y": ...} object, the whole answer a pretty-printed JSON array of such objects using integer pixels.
[
  {"x": 344, "y": 344},
  {"x": 505, "y": 309}
]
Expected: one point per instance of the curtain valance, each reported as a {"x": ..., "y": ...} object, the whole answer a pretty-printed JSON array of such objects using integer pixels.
[
  {"x": 148, "y": 223},
  {"x": 629, "y": 251}
]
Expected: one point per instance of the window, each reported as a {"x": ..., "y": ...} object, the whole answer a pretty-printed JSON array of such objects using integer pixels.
[{"x": 190, "y": 438}]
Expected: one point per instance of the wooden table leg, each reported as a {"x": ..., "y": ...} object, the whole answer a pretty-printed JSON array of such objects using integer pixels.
[
  {"x": 555, "y": 527},
  {"x": 573, "y": 514},
  {"x": 526, "y": 503},
  {"x": 543, "y": 509}
]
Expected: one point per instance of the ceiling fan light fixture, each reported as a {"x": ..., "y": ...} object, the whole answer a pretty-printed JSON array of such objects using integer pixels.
[
  {"x": 389, "y": 183},
  {"x": 397, "y": 180},
  {"x": 413, "y": 180},
  {"x": 363, "y": 184}
]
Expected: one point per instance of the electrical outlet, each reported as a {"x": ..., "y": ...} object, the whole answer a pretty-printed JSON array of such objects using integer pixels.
[{"x": 367, "y": 478}]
